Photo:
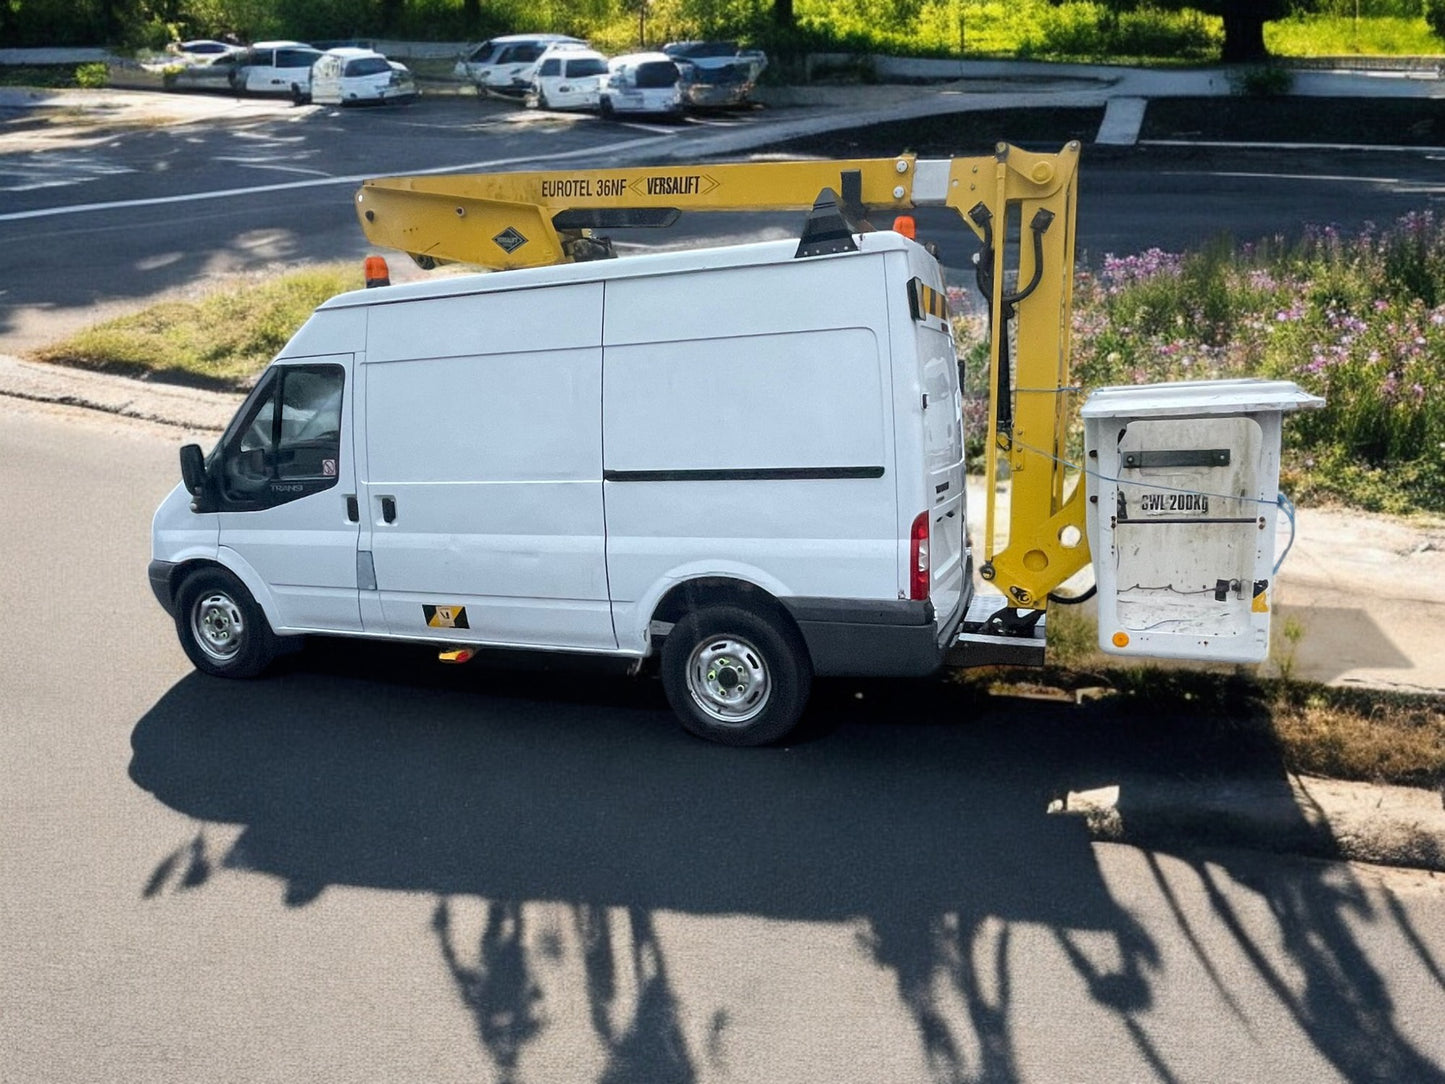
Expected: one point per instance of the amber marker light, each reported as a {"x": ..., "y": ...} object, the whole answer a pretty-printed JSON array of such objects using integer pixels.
[
  {"x": 905, "y": 225},
  {"x": 376, "y": 271}
]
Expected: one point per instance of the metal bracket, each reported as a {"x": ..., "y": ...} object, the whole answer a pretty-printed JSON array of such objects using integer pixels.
[{"x": 1176, "y": 457}]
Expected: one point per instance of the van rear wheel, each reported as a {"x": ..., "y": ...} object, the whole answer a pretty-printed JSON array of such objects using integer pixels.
[
  {"x": 223, "y": 631},
  {"x": 735, "y": 677}
]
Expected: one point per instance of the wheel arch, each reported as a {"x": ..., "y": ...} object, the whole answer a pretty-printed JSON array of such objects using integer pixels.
[
  {"x": 701, "y": 592},
  {"x": 236, "y": 567}
]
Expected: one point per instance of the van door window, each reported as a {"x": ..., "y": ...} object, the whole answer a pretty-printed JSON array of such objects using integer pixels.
[{"x": 288, "y": 442}]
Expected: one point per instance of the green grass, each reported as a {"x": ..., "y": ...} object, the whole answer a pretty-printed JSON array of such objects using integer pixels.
[
  {"x": 44, "y": 76},
  {"x": 1308, "y": 37},
  {"x": 222, "y": 339}
]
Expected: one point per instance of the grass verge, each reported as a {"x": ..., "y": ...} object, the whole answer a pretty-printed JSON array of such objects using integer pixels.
[
  {"x": 221, "y": 339},
  {"x": 1235, "y": 718}
]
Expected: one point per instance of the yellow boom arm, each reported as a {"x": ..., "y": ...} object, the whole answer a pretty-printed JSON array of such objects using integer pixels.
[{"x": 514, "y": 220}]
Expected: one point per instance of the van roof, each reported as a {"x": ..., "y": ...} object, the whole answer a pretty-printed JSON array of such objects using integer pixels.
[{"x": 660, "y": 263}]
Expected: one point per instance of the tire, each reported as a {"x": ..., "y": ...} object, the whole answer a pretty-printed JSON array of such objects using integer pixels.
[
  {"x": 542, "y": 102},
  {"x": 734, "y": 676},
  {"x": 605, "y": 108},
  {"x": 223, "y": 631}
]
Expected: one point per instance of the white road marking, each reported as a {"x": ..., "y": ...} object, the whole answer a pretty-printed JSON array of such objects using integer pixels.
[
  {"x": 56, "y": 171},
  {"x": 356, "y": 179},
  {"x": 252, "y": 163}
]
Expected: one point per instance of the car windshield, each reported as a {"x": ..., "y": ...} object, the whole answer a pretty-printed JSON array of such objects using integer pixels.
[
  {"x": 368, "y": 65},
  {"x": 586, "y": 66},
  {"x": 656, "y": 73}
]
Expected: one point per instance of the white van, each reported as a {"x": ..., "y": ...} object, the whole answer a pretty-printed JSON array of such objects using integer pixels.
[
  {"x": 742, "y": 462},
  {"x": 505, "y": 65},
  {"x": 567, "y": 79},
  {"x": 276, "y": 67},
  {"x": 642, "y": 83},
  {"x": 351, "y": 76}
]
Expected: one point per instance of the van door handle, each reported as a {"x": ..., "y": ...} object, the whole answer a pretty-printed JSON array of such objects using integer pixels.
[
  {"x": 353, "y": 510},
  {"x": 388, "y": 509}
]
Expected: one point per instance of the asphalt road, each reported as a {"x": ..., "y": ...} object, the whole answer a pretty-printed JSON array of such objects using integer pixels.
[
  {"x": 366, "y": 866},
  {"x": 99, "y": 220},
  {"x": 370, "y": 867}
]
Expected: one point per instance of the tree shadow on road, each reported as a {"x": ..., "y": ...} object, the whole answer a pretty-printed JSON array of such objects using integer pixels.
[{"x": 917, "y": 815}]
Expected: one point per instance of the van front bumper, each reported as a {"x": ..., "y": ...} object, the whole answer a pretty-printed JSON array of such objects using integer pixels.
[
  {"x": 160, "y": 577},
  {"x": 857, "y": 638}
]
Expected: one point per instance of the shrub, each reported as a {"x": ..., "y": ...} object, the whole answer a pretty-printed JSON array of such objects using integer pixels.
[
  {"x": 92, "y": 75},
  {"x": 1263, "y": 80},
  {"x": 1357, "y": 319}
]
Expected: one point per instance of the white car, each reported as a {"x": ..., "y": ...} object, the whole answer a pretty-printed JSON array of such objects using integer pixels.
[
  {"x": 642, "y": 83},
  {"x": 568, "y": 79},
  {"x": 506, "y": 65},
  {"x": 200, "y": 51},
  {"x": 276, "y": 67},
  {"x": 348, "y": 76}
]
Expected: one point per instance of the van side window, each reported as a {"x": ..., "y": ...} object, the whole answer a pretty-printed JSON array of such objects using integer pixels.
[{"x": 288, "y": 444}]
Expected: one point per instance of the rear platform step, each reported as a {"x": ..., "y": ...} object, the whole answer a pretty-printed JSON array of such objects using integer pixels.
[{"x": 984, "y": 641}]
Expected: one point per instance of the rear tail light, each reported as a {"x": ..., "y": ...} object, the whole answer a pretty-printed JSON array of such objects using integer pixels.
[{"x": 919, "y": 568}]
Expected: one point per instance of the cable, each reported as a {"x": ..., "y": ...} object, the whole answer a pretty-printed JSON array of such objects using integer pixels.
[{"x": 1287, "y": 506}]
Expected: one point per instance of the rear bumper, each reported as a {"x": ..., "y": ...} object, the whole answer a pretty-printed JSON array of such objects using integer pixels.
[{"x": 863, "y": 638}]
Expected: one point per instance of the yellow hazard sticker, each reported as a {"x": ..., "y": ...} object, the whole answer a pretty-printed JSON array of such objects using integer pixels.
[
  {"x": 1261, "y": 603},
  {"x": 446, "y": 617}
]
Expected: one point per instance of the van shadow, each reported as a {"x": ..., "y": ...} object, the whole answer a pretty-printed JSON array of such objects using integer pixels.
[{"x": 919, "y": 815}]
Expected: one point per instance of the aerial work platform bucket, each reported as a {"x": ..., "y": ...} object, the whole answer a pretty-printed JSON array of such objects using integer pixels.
[{"x": 1183, "y": 485}]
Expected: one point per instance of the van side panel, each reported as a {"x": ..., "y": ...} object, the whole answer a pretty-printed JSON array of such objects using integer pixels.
[
  {"x": 747, "y": 435},
  {"x": 484, "y": 444}
]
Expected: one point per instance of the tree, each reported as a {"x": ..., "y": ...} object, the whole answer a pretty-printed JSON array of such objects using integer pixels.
[{"x": 1243, "y": 21}]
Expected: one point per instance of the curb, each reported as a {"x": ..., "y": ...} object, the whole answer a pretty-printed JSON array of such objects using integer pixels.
[
  {"x": 1327, "y": 819},
  {"x": 195, "y": 409}
]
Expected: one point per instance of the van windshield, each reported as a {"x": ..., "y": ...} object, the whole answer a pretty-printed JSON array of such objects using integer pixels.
[{"x": 656, "y": 73}]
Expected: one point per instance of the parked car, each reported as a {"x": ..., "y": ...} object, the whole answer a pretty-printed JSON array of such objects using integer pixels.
[
  {"x": 349, "y": 76},
  {"x": 642, "y": 83},
  {"x": 201, "y": 50},
  {"x": 276, "y": 67},
  {"x": 716, "y": 73},
  {"x": 568, "y": 79},
  {"x": 216, "y": 72},
  {"x": 505, "y": 65}
]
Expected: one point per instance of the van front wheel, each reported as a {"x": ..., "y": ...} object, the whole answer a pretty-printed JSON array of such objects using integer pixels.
[
  {"x": 221, "y": 628},
  {"x": 732, "y": 676}
]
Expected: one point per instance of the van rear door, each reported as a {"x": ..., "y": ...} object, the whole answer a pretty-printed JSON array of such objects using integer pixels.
[{"x": 937, "y": 368}]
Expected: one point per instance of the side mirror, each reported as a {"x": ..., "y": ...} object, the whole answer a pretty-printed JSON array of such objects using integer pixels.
[{"x": 193, "y": 469}]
